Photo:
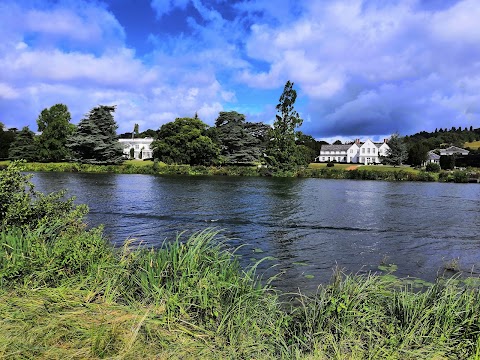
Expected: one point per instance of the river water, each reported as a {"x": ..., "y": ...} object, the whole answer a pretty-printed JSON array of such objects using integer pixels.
[{"x": 309, "y": 226}]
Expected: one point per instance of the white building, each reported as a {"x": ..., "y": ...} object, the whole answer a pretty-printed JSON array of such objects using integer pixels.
[
  {"x": 432, "y": 158},
  {"x": 141, "y": 148},
  {"x": 453, "y": 150},
  {"x": 362, "y": 153}
]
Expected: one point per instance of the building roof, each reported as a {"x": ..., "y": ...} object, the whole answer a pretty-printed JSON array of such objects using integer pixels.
[
  {"x": 433, "y": 156},
  {"x": 335, "y": 147},
  {"x": 455, "y": 148}
]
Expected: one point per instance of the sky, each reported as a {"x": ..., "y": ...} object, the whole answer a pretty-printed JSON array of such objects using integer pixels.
[{"x": 361, "y": 68}]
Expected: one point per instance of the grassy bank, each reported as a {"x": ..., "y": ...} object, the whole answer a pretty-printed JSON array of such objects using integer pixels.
[
  {"x": 66, "y": 293},
  {"x": 314, "y": 170}
]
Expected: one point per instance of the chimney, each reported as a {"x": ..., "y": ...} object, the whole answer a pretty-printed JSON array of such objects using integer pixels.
[
  {"x": 357, "y": 141},
  {"x": 385, "y": 140}
]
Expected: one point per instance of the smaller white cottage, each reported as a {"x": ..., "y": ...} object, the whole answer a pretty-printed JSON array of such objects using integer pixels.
[{"x": 137, "y": 148}]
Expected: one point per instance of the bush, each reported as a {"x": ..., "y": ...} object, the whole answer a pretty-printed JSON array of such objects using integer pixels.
[
  {"x": 432, "y": 167},
  {"x": 22, "y": 206},
  {"x": 330, "y": 164}
]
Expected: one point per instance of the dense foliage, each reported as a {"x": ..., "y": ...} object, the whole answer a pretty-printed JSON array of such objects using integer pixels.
[
  {"x": 54, "y": 125},
  {"x": 23, "y": 146},
  {"x": 185, "y": 141},
  {"x": 240, "y": 142},
  {"x": 95, "y": 140},
  {"x": 397, "y": 152},
  {"x": 444, "y": 137},
  {"x": 7, "y": 136},
  {"x": 282, "y": 150}
]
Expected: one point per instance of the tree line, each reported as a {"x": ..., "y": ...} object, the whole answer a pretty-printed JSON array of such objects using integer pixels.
[{"x": 231, "y": 141}]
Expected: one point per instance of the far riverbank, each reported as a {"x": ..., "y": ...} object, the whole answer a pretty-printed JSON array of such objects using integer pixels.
[{"x": 314, "y": 170}]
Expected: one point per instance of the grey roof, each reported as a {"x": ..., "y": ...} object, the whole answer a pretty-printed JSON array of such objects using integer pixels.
[
  {"x": 336, "y": 147},
  {"x": 455, "y": 148},
  {"x": 433, "y": 156}
]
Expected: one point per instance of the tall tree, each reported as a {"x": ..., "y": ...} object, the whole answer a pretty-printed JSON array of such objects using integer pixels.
[
  {"x": 282, "y": 148},
  {"x": 55, "y": 127},
  {"x": 240, "y": 142},
  {"x": 95, "y": 140},
  {"x": 185, "y": 141},
  {"x": 23, "y": 147},
  {"x": 397, "y": 153},
  {"x": 417, "y": 154}
]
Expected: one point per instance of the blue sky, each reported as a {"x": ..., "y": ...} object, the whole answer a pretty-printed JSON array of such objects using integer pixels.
[{"x": 361, "y": 68}]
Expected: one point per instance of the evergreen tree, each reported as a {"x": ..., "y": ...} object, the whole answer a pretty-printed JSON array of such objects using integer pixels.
[
  {"x": 95, "y": 140},
  {"x": 397, "y": 153},
  {"x": 54, "y": 123},
  {"x": 282, "y": 149},
  {"x": 240, "y": 142},
  {"x": 23, "y": 147}
]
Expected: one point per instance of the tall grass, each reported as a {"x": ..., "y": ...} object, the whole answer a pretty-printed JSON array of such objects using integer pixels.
[{"x": 119, "y": 302}]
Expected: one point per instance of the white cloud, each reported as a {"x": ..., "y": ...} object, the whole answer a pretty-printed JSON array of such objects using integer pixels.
[
  {"x": 163, "y": 7},
  {"x": 7, "y": 92},
  {"x": 367, "y": 66}
]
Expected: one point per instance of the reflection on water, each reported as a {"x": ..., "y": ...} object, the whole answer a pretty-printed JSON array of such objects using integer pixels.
[{"x": 309, "y": 226}]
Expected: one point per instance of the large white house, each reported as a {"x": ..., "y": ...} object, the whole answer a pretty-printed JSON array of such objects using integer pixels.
[
  {"x": 367, "y": 152},
  {"x": 141, "y": 148}
]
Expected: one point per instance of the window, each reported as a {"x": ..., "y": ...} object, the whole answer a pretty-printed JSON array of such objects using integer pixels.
[
  {"x": 351, "y": 151},
  {"x": 368, "y": 151},
  {"x": 137, "y": 147},
  {"x": 363, "y": 150}
]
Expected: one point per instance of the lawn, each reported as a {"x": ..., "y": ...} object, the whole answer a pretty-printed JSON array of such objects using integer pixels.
[
  {"x": 364, "y": 167},
  {"x": 336, "y": 166},
  {"x": 387, "y": 168},
  {"x": 473, "y": 145}
]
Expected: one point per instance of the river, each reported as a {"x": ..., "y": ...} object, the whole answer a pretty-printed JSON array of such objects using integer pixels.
[{"x": 309, "y": 226}]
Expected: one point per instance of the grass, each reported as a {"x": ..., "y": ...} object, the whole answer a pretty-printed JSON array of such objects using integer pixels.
[
  {"x": 388, "y": 168},
  {"x": 191, "y": 299},
  {"x": 472, "y": 145}
]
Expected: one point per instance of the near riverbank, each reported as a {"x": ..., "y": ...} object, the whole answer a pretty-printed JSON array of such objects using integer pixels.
[
  {"x": 65, "y": 292},
  {"x": 314, "y": 170}
]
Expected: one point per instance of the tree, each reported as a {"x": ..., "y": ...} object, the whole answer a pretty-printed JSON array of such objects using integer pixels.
[
  {"x": 282, "y": 147},
  {"x": 135, "y": 131},
  {"x": 23, "y": 147},
  {"x": 337, "y": 142},
  {"x": 95, "y": 140},
  {"x": 308, "y": 148},
  {"x": 185, "y": 141},
  {"x": 417, "y": 154},
  {"x": 240, "y": 142},
  {"x": 6, "y": 138},
  {"x": 54, "y": 123},
  {"x": 397, "y": 153}
]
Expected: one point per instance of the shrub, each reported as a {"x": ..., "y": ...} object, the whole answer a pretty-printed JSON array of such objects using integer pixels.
[
  {"x": 21, "y": 205},
  {"x": 432, "y": 167},
  {"x": 330, "y": 164}
]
